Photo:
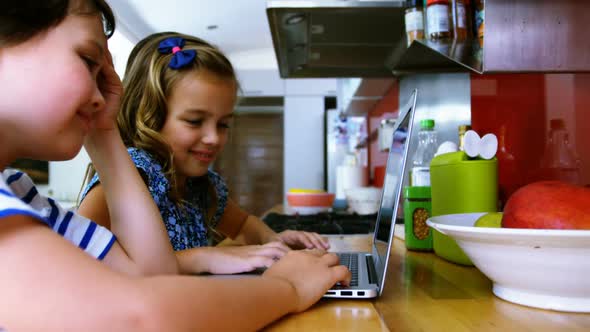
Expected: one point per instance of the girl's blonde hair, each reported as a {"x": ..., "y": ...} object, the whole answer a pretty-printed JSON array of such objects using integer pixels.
[{"x": 148, "y": 83}]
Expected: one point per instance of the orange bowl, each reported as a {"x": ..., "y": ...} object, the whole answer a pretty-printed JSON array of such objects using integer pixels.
[{"x": 310, "y": 199}]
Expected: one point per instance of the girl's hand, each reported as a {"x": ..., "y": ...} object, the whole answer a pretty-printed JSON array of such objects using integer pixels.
[
  {"x": 111, "y": 88},
  {"x": 303, "y": 240},
  {"x": 311, "y": 273},
  {"x": 228, "y": 260}
]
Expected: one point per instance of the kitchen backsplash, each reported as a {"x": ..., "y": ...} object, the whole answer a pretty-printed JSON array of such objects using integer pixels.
[{"x": 522, "y": 110}]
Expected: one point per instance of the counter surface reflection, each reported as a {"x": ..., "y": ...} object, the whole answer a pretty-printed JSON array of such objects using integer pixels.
[{"x": 425, "y": 293}]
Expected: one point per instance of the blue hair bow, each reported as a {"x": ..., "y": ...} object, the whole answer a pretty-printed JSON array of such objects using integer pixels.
[{"x": 180, "y": 58}]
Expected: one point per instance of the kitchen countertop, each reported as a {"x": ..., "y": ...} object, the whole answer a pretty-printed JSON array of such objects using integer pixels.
[{"x": 426, "y": 293}]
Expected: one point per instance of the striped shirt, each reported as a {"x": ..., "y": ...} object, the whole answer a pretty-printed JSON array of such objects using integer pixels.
[{"x": 19, "y": 196}]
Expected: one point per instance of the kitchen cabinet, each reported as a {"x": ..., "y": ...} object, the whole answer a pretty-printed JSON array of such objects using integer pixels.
[
  {"x": 311, "y": 86},
  {"x": 261, "y": 83}
]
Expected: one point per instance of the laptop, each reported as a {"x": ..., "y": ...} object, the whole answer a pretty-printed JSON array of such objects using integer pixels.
[{"x": 369, "y": 269}]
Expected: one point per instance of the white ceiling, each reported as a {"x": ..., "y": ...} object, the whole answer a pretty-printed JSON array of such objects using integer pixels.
[{"x": 242, "y": 24}]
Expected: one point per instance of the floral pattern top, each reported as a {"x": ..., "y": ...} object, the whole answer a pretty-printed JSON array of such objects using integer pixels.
[{"x": 186, "y": 224}]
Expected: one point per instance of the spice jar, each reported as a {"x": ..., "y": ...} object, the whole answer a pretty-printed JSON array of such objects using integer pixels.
[
  {"x": 438, "y": 20},
  {"x": 414, "y": 19},
  {"x": 479, "y": 20},
  {"x": 461, "y": 13},
  {"x": 424, "y": 6},
  {"x": 417, "y": 209}
]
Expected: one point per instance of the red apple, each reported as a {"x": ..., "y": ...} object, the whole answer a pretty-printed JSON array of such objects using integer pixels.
[{"x": 548, "y": 205}]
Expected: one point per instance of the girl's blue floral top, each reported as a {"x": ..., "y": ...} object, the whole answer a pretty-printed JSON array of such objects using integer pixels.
[{"x": 186, "y": 224}]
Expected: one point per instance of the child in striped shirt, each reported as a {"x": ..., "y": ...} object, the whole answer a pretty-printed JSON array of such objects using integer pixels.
[
  {"x": 58, "y": 91},
  {"x": 52, "y": 122}
]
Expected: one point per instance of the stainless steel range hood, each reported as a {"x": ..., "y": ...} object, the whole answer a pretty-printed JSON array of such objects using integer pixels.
[{"x": 336, "y": 38}]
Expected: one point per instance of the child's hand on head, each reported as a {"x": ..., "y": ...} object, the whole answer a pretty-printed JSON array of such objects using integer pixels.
[
  {"x": 303, "y": 240},
  {"x": 111, "y": 89},
  {"x": 311, "y": 273}
]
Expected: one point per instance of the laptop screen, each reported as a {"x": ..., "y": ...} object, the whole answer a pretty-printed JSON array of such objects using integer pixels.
[{"x": 391, "y": 195}]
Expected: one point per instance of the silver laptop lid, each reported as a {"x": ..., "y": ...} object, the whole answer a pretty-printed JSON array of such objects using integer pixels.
[{"x": 392, "y": 188}]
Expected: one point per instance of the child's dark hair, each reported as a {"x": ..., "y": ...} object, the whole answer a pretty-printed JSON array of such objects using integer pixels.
[{"x": 20, "y": 20}]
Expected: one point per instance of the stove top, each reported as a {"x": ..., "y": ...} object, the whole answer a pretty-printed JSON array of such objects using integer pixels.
[{"x": 322, "y": 223}]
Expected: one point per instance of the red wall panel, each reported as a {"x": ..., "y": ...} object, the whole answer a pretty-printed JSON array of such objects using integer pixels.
[{"x": 518, "y": 108}]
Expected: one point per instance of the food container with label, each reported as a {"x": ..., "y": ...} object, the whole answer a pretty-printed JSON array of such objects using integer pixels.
[{"x": 417, "y": 209}]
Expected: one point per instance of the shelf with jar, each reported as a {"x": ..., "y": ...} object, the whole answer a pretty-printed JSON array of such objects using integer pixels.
[{"x": 518, "y": 36}]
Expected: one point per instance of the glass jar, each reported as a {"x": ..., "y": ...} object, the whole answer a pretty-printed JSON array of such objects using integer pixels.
[
  {"x": 479, "y": 20},
  {"x": 414, "y": 20},
  {"x": 461, "y": 14},
  {"x": 417, "y": 209},
  {"x": 438, "y": 19}
]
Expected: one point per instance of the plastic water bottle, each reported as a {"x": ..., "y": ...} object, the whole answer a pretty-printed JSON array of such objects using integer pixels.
[{"x": 427, "y": 145}]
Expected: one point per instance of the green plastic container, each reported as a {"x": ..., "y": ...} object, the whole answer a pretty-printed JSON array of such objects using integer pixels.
[
  {"x": 417, "y": 208},
  {"x": 461, "y": 185}
]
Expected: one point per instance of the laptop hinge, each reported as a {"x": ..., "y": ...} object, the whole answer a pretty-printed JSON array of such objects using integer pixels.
[{"x": 371, "y": 269}]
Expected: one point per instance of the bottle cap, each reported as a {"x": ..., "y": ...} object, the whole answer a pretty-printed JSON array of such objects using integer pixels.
[
  {"x": 427, "y": 124},
  {"x": 437, "y": 2}
]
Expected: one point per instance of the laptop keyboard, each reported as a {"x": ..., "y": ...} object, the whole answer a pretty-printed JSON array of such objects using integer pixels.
[{"x": 351, "y": 261}]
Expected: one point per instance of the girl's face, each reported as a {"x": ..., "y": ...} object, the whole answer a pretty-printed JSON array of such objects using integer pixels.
[
  {"x": 200, "y": 109},
  {"x": 49, "y": 92}
]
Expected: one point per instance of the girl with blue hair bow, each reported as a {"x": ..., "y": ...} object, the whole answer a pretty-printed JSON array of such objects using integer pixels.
[{"x": 180, "y": 94}]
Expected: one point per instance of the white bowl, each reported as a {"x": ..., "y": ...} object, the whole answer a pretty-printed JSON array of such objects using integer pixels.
[
  {"x": 363, "y": 200},
  {"x": 543, "y": 268}
]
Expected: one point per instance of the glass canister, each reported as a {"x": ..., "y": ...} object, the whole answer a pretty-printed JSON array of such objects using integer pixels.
[
  {"x": 461, "y": 14},
  {"x": 414, "y": 20},
  {"x": 417, "y": 209},
  {"x": 438, "y": 19},
  {"x": 479, "y": 20}
]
